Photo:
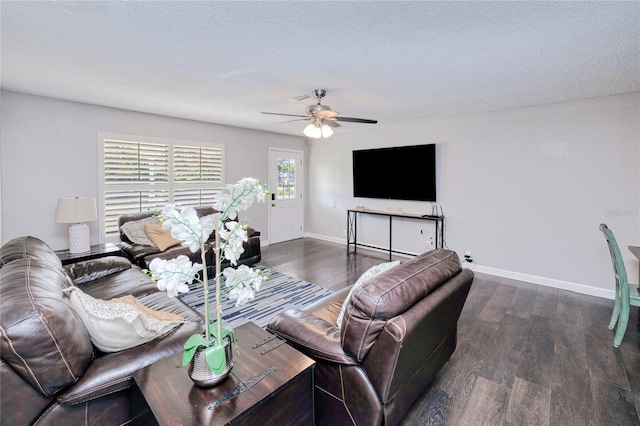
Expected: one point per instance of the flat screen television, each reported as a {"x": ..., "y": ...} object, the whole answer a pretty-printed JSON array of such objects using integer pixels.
[{"x": 398, "y": 173}]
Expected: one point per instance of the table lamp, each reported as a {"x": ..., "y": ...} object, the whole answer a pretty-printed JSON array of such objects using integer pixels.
[{"x": 77, "y": 210}]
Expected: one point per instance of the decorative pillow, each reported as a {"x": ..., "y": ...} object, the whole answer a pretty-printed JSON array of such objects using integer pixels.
[
  {"x": 121, "y": 323},
  {"x": 161, "y": 237},
  {"x": 135, "y": 232},
  {"x": 372, "y": 272}
]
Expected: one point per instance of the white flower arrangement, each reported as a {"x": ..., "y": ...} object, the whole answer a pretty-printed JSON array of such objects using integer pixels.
[{"x": 174, "y": 275}]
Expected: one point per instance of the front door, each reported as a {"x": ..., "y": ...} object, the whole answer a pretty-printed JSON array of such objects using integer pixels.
[{"x": 286, "y": 183}]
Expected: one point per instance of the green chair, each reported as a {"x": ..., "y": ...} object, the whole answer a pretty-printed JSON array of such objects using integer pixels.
[{"x": 626, "y": 294}]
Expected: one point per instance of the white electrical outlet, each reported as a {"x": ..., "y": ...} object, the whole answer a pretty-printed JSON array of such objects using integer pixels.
[
  {"x": 428, "y": 238},
  {"x": 468, "y": 257}
]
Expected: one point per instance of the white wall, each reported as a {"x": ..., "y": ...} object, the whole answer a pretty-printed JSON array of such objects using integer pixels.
[
  {"x": 524, "y": 190},
  {"x": 50, "y": 150}
]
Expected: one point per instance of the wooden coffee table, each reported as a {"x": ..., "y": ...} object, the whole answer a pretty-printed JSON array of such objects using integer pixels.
[{"x": 275, "y": 383}]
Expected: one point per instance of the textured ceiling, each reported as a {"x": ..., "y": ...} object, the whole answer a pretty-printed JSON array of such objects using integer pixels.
[{"x": 225, "y": 62}]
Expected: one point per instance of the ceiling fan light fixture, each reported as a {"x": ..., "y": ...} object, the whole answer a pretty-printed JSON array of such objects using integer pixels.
[
  {"x": 326, "y": 131},
  {"x": 313, "y": 131},
  {"x": 317, "y": 129},
  {"x": 318, "y": 114}
]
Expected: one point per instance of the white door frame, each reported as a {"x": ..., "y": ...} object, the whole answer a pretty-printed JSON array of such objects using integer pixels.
[{"x": 300, "y": 184}]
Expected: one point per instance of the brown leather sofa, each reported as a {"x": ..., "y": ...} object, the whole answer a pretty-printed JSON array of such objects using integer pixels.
[
  {"x": 398, "y": 330},
  {"x": 50, "y": 372},
  {"x": 142, "y": 255}
]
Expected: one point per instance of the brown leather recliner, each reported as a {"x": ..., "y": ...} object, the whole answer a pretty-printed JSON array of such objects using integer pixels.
[
  {"x": 398, "y": 331},
  {"x": 50, "y": 372}
]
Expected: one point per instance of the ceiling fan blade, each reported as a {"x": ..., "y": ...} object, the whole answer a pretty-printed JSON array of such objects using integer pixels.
[
  {"x": 288, "y": 115},
  {"x": 296, "y": 119},
  {"x": 356, "y": 120},
  {"x": 300, "y": 98},
  {"x": 331, "y": 123}
]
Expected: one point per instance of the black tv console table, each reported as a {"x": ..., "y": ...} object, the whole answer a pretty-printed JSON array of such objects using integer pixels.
[{"x": 352, "y": 224}]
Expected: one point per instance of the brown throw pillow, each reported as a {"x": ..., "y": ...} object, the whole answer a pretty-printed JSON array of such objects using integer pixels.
[{"x": 161, "y": 237}]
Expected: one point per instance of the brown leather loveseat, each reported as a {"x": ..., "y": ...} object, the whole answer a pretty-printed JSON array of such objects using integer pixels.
[
  {"x": 398, "y": 330},
  {"x": 143, "y": 254},
  {"x": 51, "y": 373}
]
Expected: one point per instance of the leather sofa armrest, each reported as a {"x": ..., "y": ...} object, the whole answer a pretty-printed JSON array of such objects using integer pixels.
[
  {"x": 311, "y": 335},
  {"x": 112, "y": 372},
  {"x": 252, "y": 232},
  {"x": 124, "y": 245},
  {"x": 91, "y": 270},
  {"x": 136, "y": 252}
]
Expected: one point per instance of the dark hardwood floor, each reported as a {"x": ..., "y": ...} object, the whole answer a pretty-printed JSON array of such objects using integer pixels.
[{"x": 526, "y": 355}]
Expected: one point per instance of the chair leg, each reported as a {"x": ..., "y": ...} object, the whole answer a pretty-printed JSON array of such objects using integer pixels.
[
  {"x": 622, "y": 326},
  {"x": 616, "y": 310}
]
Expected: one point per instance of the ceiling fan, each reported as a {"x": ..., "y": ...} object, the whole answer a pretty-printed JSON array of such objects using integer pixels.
[{"x": 322, "y": 117}]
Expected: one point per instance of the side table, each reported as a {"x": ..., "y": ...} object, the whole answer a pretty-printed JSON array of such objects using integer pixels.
[
  {"x": 96, "y": 251},
  {"x": 271, "y": 383}
]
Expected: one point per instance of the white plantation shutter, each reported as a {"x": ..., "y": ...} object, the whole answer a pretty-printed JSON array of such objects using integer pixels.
[
  {"x": 121, "y": 202},
  {"x": 197, "y": 175},
  {"x": 194, "y": 197},
  {"x": 197, "y": 164},
  {"x": 134, "y": 162},
  {"x": 141, "y": 176}
]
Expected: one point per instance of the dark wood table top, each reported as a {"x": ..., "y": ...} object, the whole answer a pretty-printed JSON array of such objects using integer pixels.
[
  {"x": 174, "y": 399},
  {"x": 95, "y": 251}
]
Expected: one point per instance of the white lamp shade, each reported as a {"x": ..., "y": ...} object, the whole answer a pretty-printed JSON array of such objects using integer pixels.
[{"x": 76, "y": 210}]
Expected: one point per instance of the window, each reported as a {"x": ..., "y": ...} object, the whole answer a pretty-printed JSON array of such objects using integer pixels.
[
  {"x": 140, "y": 175},
  {"x": 286, "y": 179}
]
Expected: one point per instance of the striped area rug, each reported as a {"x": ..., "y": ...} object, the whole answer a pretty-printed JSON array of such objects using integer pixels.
[{"x": 278, "y": 293}]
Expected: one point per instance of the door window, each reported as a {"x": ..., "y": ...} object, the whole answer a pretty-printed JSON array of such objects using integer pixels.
[{"x": 286, "y": 179}]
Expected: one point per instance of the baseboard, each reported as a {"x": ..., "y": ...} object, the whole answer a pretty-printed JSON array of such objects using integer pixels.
[
  {"x": 325, "y": 238},
  {"x": 534, "y": 279},
  {"x": 548, "y": 282},
  {"x": 344, "y": 242}
]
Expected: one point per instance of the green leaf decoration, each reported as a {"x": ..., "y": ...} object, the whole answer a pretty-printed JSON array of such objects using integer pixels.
[
  {"x": 216, "y": 358},
  {"x": 213, "y": 332},
  {"x": 228, "y": 332},
  {"x": 232, "y": 336},
  {"x": 190, "y": 347},
  {"x": 225, "y": 332}
]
